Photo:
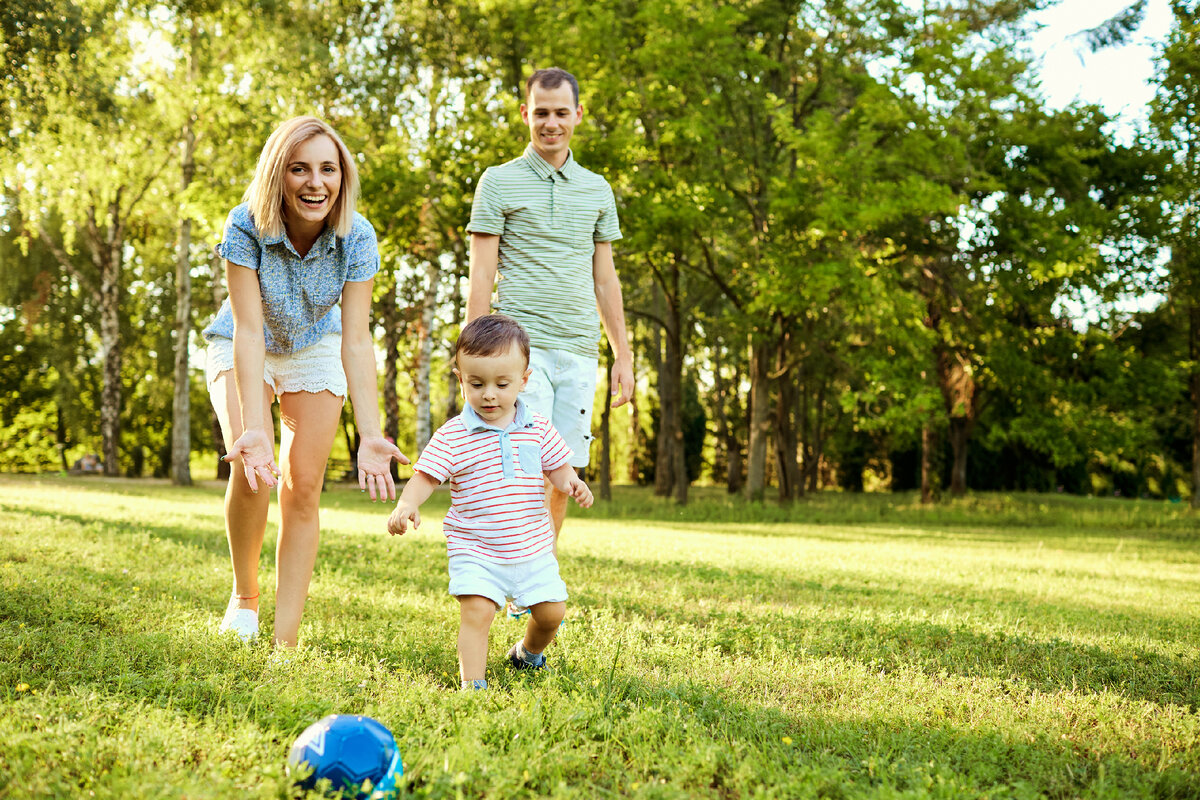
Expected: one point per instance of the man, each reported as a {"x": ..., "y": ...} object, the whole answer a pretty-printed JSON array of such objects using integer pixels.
[{"x": 546, "y": 226}]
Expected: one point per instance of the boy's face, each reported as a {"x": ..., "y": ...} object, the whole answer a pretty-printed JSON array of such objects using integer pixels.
[{"x": 490, "y": 384}]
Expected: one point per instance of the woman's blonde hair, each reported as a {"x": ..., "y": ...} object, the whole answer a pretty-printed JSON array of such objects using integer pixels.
[{"x": 264, "y": 195}]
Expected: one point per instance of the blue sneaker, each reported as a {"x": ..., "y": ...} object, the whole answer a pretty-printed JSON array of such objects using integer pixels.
[{"x": 517, "y": 662}]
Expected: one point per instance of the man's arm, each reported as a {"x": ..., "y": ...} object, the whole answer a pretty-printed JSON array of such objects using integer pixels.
[
  {"x": 485, "y": 258},
  {"x": 612, "y": 315}
]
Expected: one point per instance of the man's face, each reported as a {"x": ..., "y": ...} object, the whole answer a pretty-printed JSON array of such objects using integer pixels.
[{"x": 551, "y": 115}]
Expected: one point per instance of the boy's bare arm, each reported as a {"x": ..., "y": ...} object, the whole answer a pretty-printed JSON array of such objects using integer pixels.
[
  {"x": 567, "y": 481},
  {"x": 416, "y": 492}
]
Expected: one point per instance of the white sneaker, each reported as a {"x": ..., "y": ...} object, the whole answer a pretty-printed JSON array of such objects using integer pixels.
[{"x": 241, "y": 621}]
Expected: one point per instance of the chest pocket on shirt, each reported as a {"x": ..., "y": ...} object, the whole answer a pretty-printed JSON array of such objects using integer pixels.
[
  {"x": 530, "y": 457},
  {"x": 322, "y": 297},
  {"x": 583, "y": 228}
]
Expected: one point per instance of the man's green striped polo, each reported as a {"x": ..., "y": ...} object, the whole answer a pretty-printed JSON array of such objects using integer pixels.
[{"x": 548, "y": 222}]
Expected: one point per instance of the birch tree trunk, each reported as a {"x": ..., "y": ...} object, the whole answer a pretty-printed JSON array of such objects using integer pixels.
[
  {"x": 390, "y": 315},
  {"x": 425, "y": 355},
  {"x": 181, "y": 411},
  {"x": 107, "y": 255}
]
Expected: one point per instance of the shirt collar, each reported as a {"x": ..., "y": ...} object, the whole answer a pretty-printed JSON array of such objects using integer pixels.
[
  {"x": 326, "y": 241},
  {"x": 473, "y": 422},
  {"x": 544, "y": 169}
]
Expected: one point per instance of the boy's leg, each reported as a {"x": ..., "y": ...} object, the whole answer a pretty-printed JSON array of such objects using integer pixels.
[
  {"x": 544, "y": 620},
  {"x": 475, "y": 618}
]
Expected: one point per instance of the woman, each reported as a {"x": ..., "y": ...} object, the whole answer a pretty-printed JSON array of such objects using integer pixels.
[{"x": 294, "y": 249}]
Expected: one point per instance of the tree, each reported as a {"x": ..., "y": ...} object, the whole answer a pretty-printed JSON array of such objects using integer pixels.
[{"x": 1175, "y": 117}]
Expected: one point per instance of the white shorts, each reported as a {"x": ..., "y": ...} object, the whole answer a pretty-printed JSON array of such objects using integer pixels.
[
  {"x": 562, "y": 388},
  {"x": 526, "y": 582},
  {"x": 316, "y": 368}
]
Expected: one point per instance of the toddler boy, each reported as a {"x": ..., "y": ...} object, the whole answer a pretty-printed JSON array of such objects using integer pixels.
[{"x": 498, "y": 533}]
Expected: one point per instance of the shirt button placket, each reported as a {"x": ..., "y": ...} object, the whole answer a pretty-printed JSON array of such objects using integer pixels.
[{"x": 505, "y": 455}]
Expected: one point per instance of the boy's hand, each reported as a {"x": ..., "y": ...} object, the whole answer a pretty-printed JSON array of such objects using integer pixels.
[
  {"x": 403, "y": 513},
  {"x": 580, "y": 491}
]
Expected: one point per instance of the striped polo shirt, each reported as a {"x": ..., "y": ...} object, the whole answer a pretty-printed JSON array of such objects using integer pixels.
[
  {"x": 548, "y": 221},
  {"x": 497, "y": 491}
]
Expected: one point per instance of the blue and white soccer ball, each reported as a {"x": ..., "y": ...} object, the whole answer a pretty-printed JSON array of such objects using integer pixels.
[{"x": 348, "y": 750}]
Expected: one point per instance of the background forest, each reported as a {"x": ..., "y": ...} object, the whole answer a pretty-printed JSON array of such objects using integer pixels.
[{"x": 861, "y": 250}]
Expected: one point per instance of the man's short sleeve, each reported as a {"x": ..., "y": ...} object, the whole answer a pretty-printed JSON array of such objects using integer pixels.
[
  {"x": 487, "y": 209},
  {"x": 362, "y": 251},
  {"x": 555, "y": 452},
  {"x": 437, "y": 459},
  {"x": 608, "y": 227},
  {"x": 240, "y": 244}
]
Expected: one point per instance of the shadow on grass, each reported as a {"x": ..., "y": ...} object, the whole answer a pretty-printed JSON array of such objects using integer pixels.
[
  {"x": 838, "y": 629},
  {"x": 913, "y": 754}
]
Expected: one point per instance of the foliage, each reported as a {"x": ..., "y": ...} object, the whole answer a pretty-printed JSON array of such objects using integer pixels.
[{"x": 860, "y": 214}]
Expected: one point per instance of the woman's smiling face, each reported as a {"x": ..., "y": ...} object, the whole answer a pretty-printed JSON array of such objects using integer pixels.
[{"x": 312, "y": 181}]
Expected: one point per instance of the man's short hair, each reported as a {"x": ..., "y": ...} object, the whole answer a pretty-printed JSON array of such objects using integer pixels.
[
  {"x": 492, "y": 335},
  {"x": 552, "y": 78}
]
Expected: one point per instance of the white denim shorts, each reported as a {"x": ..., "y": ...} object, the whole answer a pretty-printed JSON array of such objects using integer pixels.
[
  {"x": 562, "y": 388},
  {"x": 526, "y": 582},
  {"x": 316, "y": 368}
]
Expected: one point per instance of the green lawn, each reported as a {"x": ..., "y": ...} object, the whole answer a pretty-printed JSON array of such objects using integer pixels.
[{"x": 850, "y": 647}]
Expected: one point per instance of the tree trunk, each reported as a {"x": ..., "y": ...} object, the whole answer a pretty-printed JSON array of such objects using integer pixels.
[
  {"x": 606, "y": 433},
  {"x": 720, "y": 470},
  {"x": 1194, "y": 385},
  {"x": 108, "y": 255},
  {"x": 959, "y": 436},
  {"x": 425, "y": 356},
  {"x": 760, "y": 421},
  {"x": 670, "y": 385},
  {"x": 735, "y": 472},
  {"x": 181, "y": 411},
  {"x": 928, "y": 463},
  {"x": 790, "y": 479},
  {"x": 452, "y": 393},
  {"x": 664, "y": 462},
  {"x": 813, "y": 472},
  {"x": 804, "y": 427},
  {"x": 957, "y": 384},
  {"x": 390, "y": 315},
  {"x": 218, "y": 289},
  {"x": 60, "y": 436}
]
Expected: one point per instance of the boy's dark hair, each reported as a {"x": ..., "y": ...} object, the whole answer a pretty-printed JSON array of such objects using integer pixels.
[
  {"x": 492, "y": 335},
  {"x": 552, "y": 78}
]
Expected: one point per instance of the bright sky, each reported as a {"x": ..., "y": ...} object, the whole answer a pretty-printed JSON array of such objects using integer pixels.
[{"x": 1116, "y": 78}]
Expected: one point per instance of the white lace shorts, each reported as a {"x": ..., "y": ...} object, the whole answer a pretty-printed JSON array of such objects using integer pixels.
[{"x": 316, "y": 368}]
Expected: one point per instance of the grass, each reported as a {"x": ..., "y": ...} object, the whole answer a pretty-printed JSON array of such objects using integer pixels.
[{"x": 849, "y": 647}]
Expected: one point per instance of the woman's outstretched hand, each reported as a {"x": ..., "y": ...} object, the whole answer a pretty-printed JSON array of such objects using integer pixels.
[
  {"x": 375, "y": 454},
  {"x": 257, "y": 451}
]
